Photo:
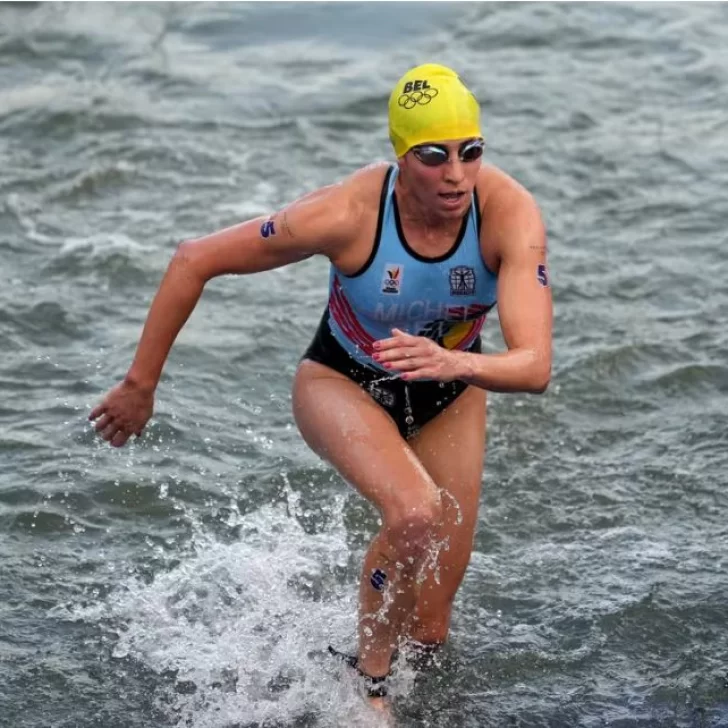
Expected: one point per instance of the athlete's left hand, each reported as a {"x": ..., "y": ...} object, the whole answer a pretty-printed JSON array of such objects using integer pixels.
[{"x": 415, "y": 357}]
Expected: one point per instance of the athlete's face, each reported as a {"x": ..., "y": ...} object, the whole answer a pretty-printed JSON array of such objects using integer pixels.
[{"x": 443, "y": 174}]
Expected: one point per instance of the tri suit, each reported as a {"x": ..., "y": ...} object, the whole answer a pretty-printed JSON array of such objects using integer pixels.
[{"x": 445, "y": 298}]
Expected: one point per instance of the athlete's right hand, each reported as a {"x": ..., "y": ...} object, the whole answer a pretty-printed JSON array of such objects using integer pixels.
[{"x": 123, "y": 412}]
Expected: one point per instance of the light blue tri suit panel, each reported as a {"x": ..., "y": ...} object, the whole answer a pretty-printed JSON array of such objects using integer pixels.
[{"x": 444, "y": 298}]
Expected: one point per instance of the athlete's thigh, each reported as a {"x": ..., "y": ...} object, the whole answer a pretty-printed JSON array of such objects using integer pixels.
[
  {"x": 346, "y": 427},
  {"x": 452, "y": 447}
]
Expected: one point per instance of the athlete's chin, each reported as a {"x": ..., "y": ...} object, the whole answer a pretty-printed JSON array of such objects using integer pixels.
[{"x": 450, "y": 208}]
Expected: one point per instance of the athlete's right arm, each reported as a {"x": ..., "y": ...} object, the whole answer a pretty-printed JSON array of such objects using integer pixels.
[
  {"x": 320, "y": 222},
  {"x": 325, "y": 222}
]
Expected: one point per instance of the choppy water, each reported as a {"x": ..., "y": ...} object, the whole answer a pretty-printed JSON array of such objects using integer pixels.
[{"x": 194, "y": 578}]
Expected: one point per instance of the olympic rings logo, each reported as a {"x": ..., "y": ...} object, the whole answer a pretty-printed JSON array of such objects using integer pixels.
[{"x": 415, "y": 98}]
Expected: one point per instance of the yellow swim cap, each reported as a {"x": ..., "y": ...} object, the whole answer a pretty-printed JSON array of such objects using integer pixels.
[{"x": 431, "y": 104}]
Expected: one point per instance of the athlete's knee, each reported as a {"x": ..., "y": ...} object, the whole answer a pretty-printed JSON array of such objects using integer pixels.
[{"x": 412, "y": 528}]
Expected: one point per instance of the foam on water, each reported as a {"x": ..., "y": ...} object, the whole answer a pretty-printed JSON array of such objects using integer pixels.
[{"x": 243, "y": 627}]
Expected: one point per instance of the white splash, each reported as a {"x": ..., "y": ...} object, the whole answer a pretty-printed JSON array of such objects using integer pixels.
[{"x": 243, "y": 628}]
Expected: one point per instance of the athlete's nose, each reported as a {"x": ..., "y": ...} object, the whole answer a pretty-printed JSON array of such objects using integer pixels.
[{"x": 454, "y": 170}]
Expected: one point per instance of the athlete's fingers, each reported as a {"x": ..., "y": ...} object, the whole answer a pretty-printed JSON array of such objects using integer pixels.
[
  {"x": 99, "y": 409},
  {"x": 109, "y": 432},
  {"x": 396, "y": 342},
  {"x": 407, "y": 362},
  {"x": 119, "y": 439},
  {"x": 103, "y": 423},
  {"x": 398, "y": 338},
  {"x": 409, "y": 365},
  {"x": 394, "y": 354},
  {"x": 390, "y": 355},
  {"x": 397, "y": 366}
]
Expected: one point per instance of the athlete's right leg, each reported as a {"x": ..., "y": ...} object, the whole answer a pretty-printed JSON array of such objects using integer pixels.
[{"x": 346, "y": 427}]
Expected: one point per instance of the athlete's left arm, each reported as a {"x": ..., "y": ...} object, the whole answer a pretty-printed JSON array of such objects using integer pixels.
[
  {"x": 516, "y": 233},
  {"x": 524, "y": 304}
]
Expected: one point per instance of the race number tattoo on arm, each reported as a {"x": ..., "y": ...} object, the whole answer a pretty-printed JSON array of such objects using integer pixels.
[
  {"x": 542, "y": 275},
  {"x": 268, "y": 228}
]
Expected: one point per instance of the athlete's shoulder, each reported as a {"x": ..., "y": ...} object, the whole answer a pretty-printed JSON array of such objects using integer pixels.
[
  {"x": 506, "y": 206},
  {"x": 364, "y": 186},
  {"x": 497, "y": 188},
  {"x": 333, "y": 215},
  {"x": 356, "y": 194}
]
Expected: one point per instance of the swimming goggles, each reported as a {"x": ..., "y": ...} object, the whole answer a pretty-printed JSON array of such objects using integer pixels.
[{"x": 433, "y": 155}]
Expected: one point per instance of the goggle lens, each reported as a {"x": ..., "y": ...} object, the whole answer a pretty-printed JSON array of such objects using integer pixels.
[
  {"x": 470, "y": 151},
  {"x": 433, "y": 155}
]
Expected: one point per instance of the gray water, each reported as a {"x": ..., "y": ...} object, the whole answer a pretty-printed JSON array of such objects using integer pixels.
[{"x": 195, "y": 577}]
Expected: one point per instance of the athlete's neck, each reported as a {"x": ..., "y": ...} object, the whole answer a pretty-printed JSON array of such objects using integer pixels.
[{"x": 417, "y": 215}]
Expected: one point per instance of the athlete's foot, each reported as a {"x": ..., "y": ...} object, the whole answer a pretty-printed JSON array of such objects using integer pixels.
[
  {"x": 376, "y": 685},
  {"x": 383, "y": 708}
]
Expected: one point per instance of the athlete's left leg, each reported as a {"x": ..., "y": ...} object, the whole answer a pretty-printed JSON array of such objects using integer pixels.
[{"x": 452, "y": 449}]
